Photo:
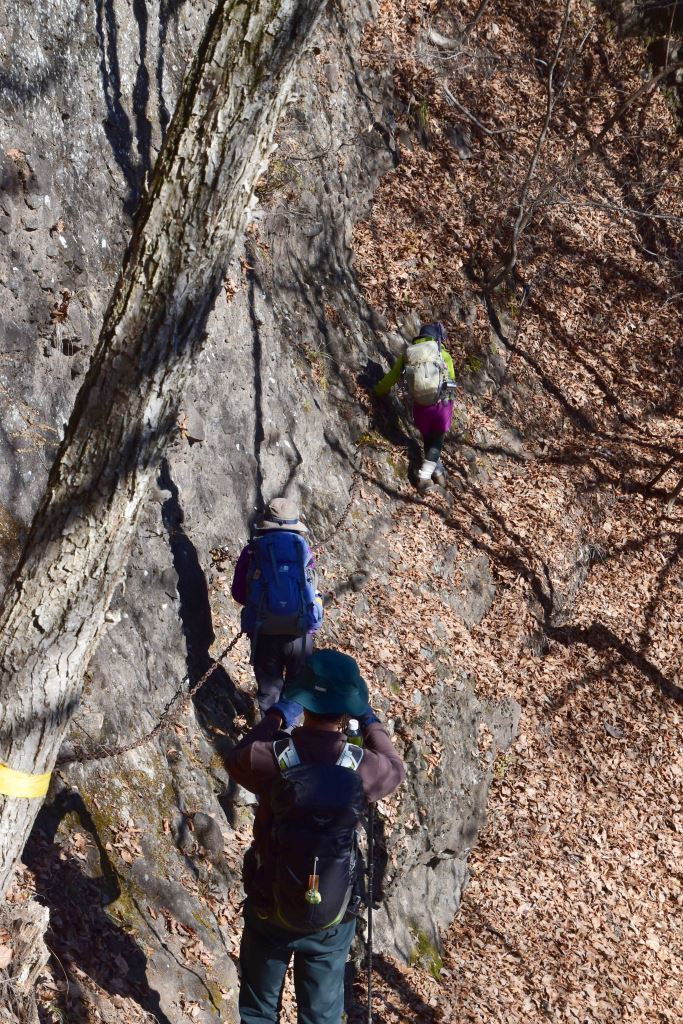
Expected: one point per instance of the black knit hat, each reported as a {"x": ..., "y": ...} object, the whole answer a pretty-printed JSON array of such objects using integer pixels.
[{"x": 436, "y": 331}]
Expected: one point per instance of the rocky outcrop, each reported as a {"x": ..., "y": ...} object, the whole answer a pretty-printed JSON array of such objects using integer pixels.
[
  {"x": 440, "y": 816},
  {"x": 272, "y": 406},
  {"x": 86, "y": 96}
]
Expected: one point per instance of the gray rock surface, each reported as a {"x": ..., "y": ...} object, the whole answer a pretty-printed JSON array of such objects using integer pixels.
[
  {"x": 271, "y": 408},
  {"x": 444, "y": 808},
  {"x": 86, "y": 95}
]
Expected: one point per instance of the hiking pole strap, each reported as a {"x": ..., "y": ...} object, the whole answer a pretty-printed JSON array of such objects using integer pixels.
[{"x": 371, "y": 897}]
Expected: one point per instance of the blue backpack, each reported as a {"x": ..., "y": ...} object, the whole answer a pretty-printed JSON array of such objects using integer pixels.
[{"x": 281, "y": 587}]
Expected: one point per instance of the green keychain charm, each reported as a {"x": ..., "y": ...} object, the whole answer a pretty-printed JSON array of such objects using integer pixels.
[{"x": 312, "y": 894}]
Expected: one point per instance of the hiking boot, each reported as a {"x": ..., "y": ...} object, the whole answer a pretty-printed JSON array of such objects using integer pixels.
[
  {"x": 439, "y": 475},
  {"x": 424, "y": 476}
]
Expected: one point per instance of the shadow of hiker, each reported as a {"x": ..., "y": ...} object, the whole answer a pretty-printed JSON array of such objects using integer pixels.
[
  {"x": 370, "y": 375},
  {"x": 387, "y": 975},
  {"x": 219, "y": 700},
  {"x": 81, "y": 933},
  {"x": 356, "y": 968},
  {"x": 390, "y": 418},
  {"x": 380, "y": 859}
]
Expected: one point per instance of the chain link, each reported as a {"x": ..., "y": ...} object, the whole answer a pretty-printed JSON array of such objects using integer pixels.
[
  {"x": 180, "y": 699},
  {"x": 355, "y": 480},
  {"x": 171, "y": 712}
]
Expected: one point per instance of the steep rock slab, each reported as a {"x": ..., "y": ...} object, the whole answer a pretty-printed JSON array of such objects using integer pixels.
[{"x": 86, "y": 100}]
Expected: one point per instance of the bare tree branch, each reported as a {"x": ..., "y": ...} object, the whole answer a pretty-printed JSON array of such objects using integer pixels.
[
  {"x": 482, "y": 127},
  {"x": 661, "y": 472},
  {"x": 526, "y": 209},
  {"x": 675, "y": 493},
  {"x": 626, "y": 211},
  {"x": 642, "y": 90},
  {"x": 668, "y": 37},
  {"x": 476, "y": 18},
  {"x": 522, "y": 219}
]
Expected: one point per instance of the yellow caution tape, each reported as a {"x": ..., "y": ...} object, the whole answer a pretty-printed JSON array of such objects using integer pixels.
[{"x": 23, "y": 784}]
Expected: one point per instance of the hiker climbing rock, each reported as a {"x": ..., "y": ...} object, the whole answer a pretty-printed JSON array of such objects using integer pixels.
[
  {"x": 301, "y": 872},
  {"x": 429, "y": 373},
  {"x": 276, "y": 581}
]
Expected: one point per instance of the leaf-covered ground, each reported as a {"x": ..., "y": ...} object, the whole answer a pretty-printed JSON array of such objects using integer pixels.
[{"x": 575, "y": 909}]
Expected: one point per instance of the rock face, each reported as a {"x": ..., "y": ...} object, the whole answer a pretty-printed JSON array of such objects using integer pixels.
[
  {"x": 440, "y": 818},
  {"x": 272, "y": 407},
  {"x": 86, "y": 96}
]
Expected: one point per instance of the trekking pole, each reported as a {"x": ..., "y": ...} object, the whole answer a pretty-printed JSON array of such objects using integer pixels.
[{"x": 371, "y": 879}]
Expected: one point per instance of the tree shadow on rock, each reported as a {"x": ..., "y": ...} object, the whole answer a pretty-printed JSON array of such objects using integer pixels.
[
  {"x": 257, "y": 356},
  {"x": 167, "y": 10},
  {"x": 81, "y": 933},
  {"x": 218, "y": 701},
  {"x": 117, "y": 124}
]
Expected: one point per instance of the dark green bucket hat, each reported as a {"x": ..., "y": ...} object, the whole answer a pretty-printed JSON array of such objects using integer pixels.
[{"x": 330, "y": 683}]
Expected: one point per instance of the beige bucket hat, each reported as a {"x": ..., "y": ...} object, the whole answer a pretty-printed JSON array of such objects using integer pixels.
[{"x": 282, "y": 514}]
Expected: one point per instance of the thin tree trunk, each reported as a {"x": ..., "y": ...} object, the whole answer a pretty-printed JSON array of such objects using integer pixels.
[{"x": 55, "y": 607}]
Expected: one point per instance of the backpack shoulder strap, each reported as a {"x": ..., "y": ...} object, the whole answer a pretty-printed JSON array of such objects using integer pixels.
[
  {"x": 350, "y": 757},
  {"x": 255, "y": 546},
  {"x": 305, "y": 547},
  {"x": 285, "y": 754}
]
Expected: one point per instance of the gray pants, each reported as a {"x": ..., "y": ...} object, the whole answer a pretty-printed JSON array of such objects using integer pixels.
[{"x": 275, "y": 659}]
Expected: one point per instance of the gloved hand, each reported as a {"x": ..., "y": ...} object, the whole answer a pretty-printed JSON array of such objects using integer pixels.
[
  {"x": 368, "y": 718},
  {"x": 289, "y": 711}
]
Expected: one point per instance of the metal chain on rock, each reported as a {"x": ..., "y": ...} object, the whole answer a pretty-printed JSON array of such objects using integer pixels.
[
  {"x": 355, "y": 480},
  {"x": 172, "y": 710}
]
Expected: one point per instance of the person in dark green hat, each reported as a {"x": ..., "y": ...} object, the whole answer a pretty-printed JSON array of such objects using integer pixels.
[{"x": 300, "y": 870}]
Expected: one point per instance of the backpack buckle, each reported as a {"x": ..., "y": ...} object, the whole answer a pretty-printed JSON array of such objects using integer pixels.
[
  {"x": 285, "y": 754},
  {"x": 350, "y": 757}
]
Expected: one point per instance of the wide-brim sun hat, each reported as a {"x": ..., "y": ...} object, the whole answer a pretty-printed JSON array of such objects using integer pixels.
[
  {"x": 329, "y": 683},
  {"x": 282, "y": 514}
]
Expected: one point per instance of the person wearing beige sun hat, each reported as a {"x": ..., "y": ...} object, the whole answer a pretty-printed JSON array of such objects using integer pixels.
[
  {"x": 282, "y": 514},
  {"x": 276, "y": 582}
]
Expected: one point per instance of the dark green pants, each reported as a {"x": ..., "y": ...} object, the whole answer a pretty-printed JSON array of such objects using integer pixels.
[{"x": 319, "y": 962}]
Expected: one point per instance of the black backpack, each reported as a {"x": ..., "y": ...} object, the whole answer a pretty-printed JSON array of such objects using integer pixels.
[{"x": 313, "y": 857}]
